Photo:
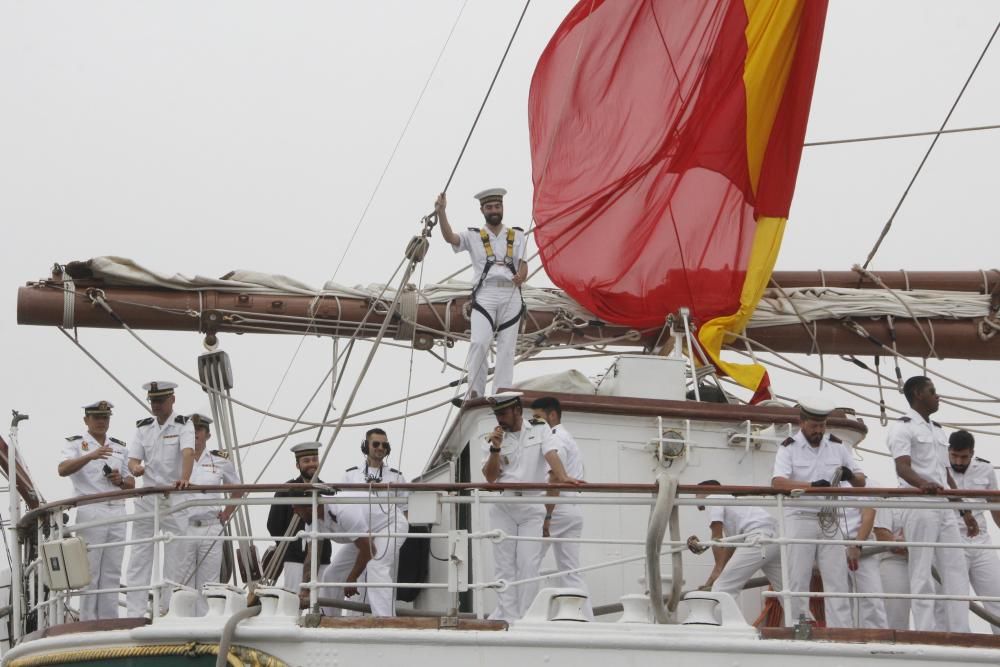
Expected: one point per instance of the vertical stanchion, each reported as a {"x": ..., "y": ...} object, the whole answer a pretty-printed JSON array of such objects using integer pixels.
[
  {"x": 786, "y": 607},
  {"x": 17, "y": 582},
  {"x": 314, "y": 556},
  {"x": 477, "y": 559},
  {"x": 155, "y": 579}
]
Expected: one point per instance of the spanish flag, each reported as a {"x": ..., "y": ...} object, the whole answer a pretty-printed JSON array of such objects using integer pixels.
[{"x": 666, "y": 137}]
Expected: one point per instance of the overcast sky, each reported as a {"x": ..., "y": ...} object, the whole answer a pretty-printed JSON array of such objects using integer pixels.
[{"x": 203, "y": 137}]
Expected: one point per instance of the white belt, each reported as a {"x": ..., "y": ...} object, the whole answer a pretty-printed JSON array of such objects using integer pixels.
[{"x": 498, "y": 283}]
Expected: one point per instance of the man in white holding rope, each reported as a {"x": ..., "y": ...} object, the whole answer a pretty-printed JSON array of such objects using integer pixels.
[
  {"x": 497, "y": 255},
  {"x": 815, "y": 458}
]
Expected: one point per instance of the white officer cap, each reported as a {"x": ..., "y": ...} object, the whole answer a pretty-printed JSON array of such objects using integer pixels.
[
  {"x": 504, "y": 400},
  {"x": 201, "y": 418},
  {"x": 306, "y": 449},
  {"x": 816, "y": 406},
  {"x": 159, "y": 389},
  {"x": 99, "y": 408},
  {"x": 491, "y": 194}
]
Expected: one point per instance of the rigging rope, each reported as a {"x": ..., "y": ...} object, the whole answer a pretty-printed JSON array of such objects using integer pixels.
[
  {"x": 882, "y": 137},
  {"x": 888, "y": 224}
]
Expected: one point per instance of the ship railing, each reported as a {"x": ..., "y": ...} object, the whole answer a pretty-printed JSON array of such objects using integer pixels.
[{"x": 46, "y": 524}]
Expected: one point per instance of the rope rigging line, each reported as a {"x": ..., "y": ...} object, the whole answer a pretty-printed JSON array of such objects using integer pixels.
[
  {"x": 906, "y": 135},
  {"x": 923, "y": 161}
]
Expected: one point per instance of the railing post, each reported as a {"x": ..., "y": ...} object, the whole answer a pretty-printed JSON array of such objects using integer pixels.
[
  {"x": 156, "y": 580},
  {"x": 786, "y": 607},
  {"x": 314, "y": 556},
  {"x": 477, "y": 555}
]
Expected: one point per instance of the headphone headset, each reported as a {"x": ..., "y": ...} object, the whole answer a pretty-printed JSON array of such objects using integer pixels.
[{"x": 364, "y": 447}]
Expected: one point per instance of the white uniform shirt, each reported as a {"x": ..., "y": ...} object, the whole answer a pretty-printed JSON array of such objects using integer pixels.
[
  {"x": 159, "y": 448},
  {"x": 740, "y": 520},
  {"x": 212, "y": 469},
  {"x": 979, "y": 475},
  {"x": 926, "y": 445},
  {"x": 471, "y": 242},
  {"x": 363, "y": 474},
  {"x": 522, "y": 454},
  {"x": 569, "y": 453},
  {"x": 852, "y": 515},
  {"x": 90, "y": 478},
  {"x": 799, "y": 461}
]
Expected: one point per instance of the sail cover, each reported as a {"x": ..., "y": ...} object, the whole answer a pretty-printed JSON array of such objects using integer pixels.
[{"x": 665, "y": 139}]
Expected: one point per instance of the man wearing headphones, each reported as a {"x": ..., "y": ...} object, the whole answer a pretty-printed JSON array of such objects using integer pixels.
[{"x": 379, "y": 519}]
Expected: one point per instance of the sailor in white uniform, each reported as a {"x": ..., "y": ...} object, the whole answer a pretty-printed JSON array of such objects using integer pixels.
[
  {"x": 973, "y": 473},
  {"x": 894, "y": 569},
  {"x": 564, "y": 520},
  {"x": 518, "y": 450},
  {"x": 380, "y": 520},
  {"x": 203, "y": 558},
  {"x": 97, "y": 463},
  {"x": 734, "y": 566},
  {"x": 864, "y": 574},
  {"x": 162, "y": 453},
  {"x": 498, "y": 262},
  {"x": 920, "y": 449},
  {"x": 814, "y": 458}
]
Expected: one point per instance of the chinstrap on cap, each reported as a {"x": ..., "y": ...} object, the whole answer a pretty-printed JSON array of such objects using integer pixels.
[
  {"x": 98, "y": 409},
  {"x": 504, "y": 400},
  {"x": 306, "y": 449},
  {"x": 490, "y": 194},
  {"x": 817, "y": 406},
  {"x": 159, "y": 389}
]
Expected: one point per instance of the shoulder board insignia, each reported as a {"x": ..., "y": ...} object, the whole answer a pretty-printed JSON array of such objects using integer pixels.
[
  {"x": 520, "y": 229},
  {"x": 221, "y": 454},
  {"x": 981, "y": 460},
  {"x": 936, "y": 424},
  {"x": 181, "y": 419},
  {"x": 144, "y": 422},
  {"x": 117, "y": 441},
  {"x": 834, "y": 438},
  {"x": 351, "y": 468},
  {"x": 75, "y": 437},
  {"x": 787, "y": 441},
  {"x": 905, "y": 420},
  {"x": 536, "y": 422},
  {"x": 395, "y": 471},
  {"x": 474, "y": 229}
]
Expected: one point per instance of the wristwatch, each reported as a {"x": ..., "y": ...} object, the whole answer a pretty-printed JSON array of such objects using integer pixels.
[{"x": 494, "y": 450}]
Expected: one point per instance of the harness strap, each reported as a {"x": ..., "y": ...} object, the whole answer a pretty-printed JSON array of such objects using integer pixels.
[{"x": 508, "y": 261}]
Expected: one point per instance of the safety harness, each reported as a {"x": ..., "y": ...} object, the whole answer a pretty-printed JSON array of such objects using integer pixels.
[{"x": 508, "y": 261}]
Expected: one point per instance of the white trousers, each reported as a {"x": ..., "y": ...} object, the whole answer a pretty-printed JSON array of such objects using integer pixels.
[
  {"x": 514, "y": 560},
  {"x": 380, "y": 569},
  {"x": 567, "y": 522},
  {"x": 921, "y": 525},
  {"x": 747, "y": 560},
  {"x": 502, "y": 303},
  {"x": 202, "y": 560},
  {"x": 292, "y": 572},
  {"x": 106, "y": 563},
  {"x": 896, "y": 579},
  {"x": 869, "y": 612},
  {"x": 140, "y": 560},
  {"x": 984, "y": 575},
  {"x": 832, "y": 560}
]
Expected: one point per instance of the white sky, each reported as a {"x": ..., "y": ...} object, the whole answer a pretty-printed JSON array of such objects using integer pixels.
[{"x": 203, "y": 137}]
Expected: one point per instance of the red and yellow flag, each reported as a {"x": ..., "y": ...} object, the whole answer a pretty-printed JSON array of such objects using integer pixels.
[{"x": 666, "y": 138}]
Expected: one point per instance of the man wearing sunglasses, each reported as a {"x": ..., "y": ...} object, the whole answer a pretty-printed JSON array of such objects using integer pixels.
[{"x": 381, "y": 519}]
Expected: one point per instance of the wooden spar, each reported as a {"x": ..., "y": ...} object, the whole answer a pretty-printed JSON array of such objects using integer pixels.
[{"x": 212, "y": 312}]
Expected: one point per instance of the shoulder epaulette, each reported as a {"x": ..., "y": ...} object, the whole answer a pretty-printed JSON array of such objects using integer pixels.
[
  {"x": 221, "y": 454},
  {"x": 520, "y": 229},
  {"x": 536, "y": 422},
  {"x": 75, "y": 437},
  {"x": 905, "y": 419},
  {"x": 351, "y": 468},
  {"x": 787, "y": 441},
  {"x": 834, "y": 438},
  {"x": 981, "y": 460},
  {"x": 116, "y": 440},
  {"x": 395, "y": 471},
  {"x": 144, "y": 422},
  {"x": 935, "y": 423},
  {"x": 181, "y": 419},
  {"x": 474, "y": 229}
]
